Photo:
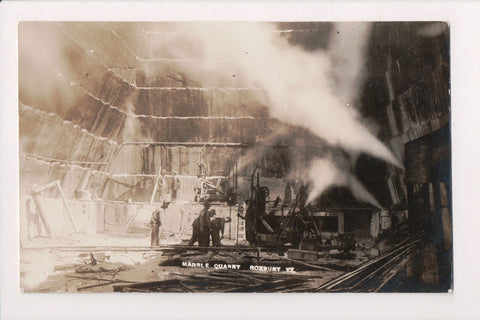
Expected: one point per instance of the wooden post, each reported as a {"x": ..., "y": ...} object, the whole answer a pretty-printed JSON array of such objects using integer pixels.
[
  {"x": 103, "y": 188},
  {"x": 446, "y": 220},
  {"x": 430, "y": 265},
  {"x": 155, "y": 185},
  {"x": 230, "y": 224},
  {"x": 443, "y": 194},
  {"x": 70, "y": 178},
  {"x": 447, "y": 229},
  {"x": 42, "y": 213},
  {"x": 341, "y": 223},
  {"x": 431, "y": 198},
  {"x": 132, "y": 187},
  {"x": 237, "y": 230},
  {"x": 66, "y": 205}
]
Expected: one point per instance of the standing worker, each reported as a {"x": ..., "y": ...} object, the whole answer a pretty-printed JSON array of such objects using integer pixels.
[
  {"x": 201, "y": 227},
  {"x": 250, "y": 222},
  {"x": 155, "y": 224},
  {"x": 175, "y": 187},
  {"x": 205, "y": 228},
  {"x": 195, "y": 232},
  {"x": 217, "y": 227},
  {"x": 204, "y": 217}
]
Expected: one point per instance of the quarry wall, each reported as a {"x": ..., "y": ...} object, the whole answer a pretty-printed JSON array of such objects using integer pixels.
[{"x": 94, "y": 86}]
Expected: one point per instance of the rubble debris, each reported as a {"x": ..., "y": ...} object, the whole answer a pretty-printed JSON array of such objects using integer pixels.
[
  {"x": 105, "y": 282},
  {"x": 307, "y": 264},
  {"x": 83, "y": 269},
  {"x": 220, "y": 281}
]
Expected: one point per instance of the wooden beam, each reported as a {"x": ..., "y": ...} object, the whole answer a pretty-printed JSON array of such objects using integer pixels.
[
  {"x": 42, "y": 214},
  {"x": 103, "y": 187},
  {"x": 45, "y": 187},
  {"x": 65, "y": 203},
  {"x": 446, "y": 219},
  {"x": 341, "y": 223},
  {"x": 121, "y": 183},
  {"x": 130, "y": 186},
  {"x": 443, "y": 194},
  {"x": 156, "y": 184}
]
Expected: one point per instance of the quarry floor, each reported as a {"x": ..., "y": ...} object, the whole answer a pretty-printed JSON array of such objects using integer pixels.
[{"x": 64, "y": 264}]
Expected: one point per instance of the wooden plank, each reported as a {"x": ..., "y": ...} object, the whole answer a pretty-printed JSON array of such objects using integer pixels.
[
  {"x": 308, "y": 264},
  {"x": 395, "y": 270},
  {"x": 431, "y": 198},
  {"x": 45, "y": 187},
  {"x": 42, "y": 214},
  {"x": 130, "y": 186},
  {"x": 186, "y": 287},
  {"x": 103, "y": 187},
  {"x": 443, "y": 194},
  {"x": 96, "y": 285},
  {"x": 98, "y": 279},
  {"x": 447, "y": 229},
  {"x": 430, "y": 265},
  {"x": 341, "y": 223},
  {"x": 334, "y": 282},
  {"x": 446, "y": 219},
  {"x": 67, "y": 209},
  {"x": 156, "y": 185},
  {"x": 268, "y": 286},
  {"x": 246, "y": 276}
]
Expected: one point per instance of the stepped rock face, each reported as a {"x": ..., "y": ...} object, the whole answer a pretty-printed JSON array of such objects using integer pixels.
[
  {"x": 87, "y": 87},
  {"x": 407, "y": 94}
]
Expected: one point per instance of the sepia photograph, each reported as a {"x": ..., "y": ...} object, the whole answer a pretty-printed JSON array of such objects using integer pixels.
[{"x": 253, "y": 157}]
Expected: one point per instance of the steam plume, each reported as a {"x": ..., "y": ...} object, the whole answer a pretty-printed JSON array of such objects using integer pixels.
[
  {"x": 252, "y": 153},
  {"x": 132, "y": 125},
  {"x": 315, "y": 90},
  {"x": 297, "y": 82},
  {"x": 325, "y": 173}
]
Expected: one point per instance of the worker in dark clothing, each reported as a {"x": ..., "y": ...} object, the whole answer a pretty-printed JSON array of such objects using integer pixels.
[
  {"x": 217, "y": 227},
  {"x": 201, "y": 227},
  {"x": 277, "y": 202},
  {"x": 249, "y": 222},
  {"x": 205, "y": 228},
  {"x": 195, "y": 232},
  {"x": 155, "y": 224}
]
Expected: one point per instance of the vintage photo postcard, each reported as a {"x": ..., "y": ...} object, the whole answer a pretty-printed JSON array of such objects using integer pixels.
[{"x": 235, "y": 157}]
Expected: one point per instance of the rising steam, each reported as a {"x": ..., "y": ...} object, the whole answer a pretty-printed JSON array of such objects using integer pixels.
[
  {"x": 297, "y": 82},
  {"x": 132, "y": 126},
  {"x": 325, "y": 173},
  {"x": 252, "y": 153},
  {"x": 315, "y": 90}
]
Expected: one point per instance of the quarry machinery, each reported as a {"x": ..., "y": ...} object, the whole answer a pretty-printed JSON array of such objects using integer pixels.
[
  {"x": 287, "y": 224},
  {"x": 217, "y": 188}
]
